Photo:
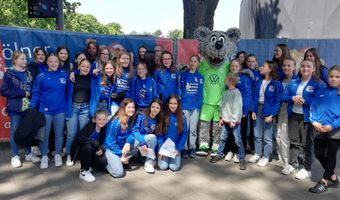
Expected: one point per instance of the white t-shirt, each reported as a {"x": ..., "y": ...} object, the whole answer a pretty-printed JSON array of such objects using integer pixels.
[
  {"x": 299, "y": 108},
  {"x": 262, "y": 90}
]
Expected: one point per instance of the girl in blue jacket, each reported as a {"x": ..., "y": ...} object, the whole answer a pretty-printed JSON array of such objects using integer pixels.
[
  {"x": 281, "y": 137},
  {"x": 320, "y": 70},
  {"x": 281, "y": 52},
  {"x": 266, "y": 105},
  {"x": 325, "y": 117},
  {"x": 123, "y": 77},
  {"x": 119, "y": 139},
  {"x": 143, "y": 88},
  {"x": 39, "y": 64},
  {"x": 78, "y": 101},
  {"x": 245, "y": 87},
  {"x": 175, "y": 128},
  {"x": 102, "y": 90},
  {"x": 145, "y": 129},
  {"x": 16, "y": 87},
  {"x": 191, "y": 84},
  {"x": 299, "y": 95},
  {"x": 64, "y": 59},
  {"x": 167, "y": 77},
  {"x": 49, "y": 96}
]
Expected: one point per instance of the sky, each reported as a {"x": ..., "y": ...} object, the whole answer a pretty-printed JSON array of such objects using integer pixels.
[{"x": 150, "y": 15}]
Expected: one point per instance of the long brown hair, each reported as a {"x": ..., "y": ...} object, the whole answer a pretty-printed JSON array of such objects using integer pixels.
[
  {"x": 179, "y": 115},
  {"x": 121, "y": 114},
  {"x": 172, "y": 66},
  {"x": 285, "y": 54},
  {"x": 105, "y": 79},
  {"x": 317, "y": 62},
  {"x": 119, "y": 67},
  {"x": 335, "y": 68},
  {"x": 159, "y": 117},
  {"x": 273, "y": 66}
]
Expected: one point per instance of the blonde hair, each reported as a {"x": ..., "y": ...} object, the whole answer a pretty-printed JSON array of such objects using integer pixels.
[
  {"x": 234, "y": 78},
  {"x": 119, "y": 67},
  {"x": 105, "y": 78},
  {"x": 121, "y": 114},
  {"x": 16, "y": 55}
]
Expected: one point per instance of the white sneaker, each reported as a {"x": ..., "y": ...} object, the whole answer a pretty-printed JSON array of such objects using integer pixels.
[
  {"x": 229, "y": 156},
  {"x": 263, "y": 162},
  {"x": 44, "y": 162},
  {"x": 254, "y": 158},
  {"x": 36, "y": 151},
  {"x": 303, "y": 174},
  {"x": 148, "y": 167},
  {"x": 235, "y": 158},
  {"x": 288, "y": 169},
  {"x": 69, "y": 162},
  {"x": 86, "y": 175},
  {"x": 58, "y": 160},
  {"x": 15, "y": 161},
  {"x": 32, "y": 157}
]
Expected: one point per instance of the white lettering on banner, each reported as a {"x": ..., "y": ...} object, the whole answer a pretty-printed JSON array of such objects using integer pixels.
[
  {"x": 3, "y": 111},
  {"x": 7, "y": 125},
  {"x": 8, "y": 50}
]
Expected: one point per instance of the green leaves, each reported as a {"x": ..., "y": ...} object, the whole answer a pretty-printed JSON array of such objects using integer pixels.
[{"x": 14, "y": 13}]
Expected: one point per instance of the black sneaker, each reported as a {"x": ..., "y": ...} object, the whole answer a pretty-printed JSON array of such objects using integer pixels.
[
  {"x": 216, "y": 158},
  {"x": 320, "y": 187},
  {"x": 243, "y": 164},
  {"x": 333, "y": 183},
  {"x": 185, "y": 154}
]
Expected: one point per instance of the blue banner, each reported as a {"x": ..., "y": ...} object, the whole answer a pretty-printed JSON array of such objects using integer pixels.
[
  {"x": 26, "y": 40},
  {"x": 264, "y": 49}
]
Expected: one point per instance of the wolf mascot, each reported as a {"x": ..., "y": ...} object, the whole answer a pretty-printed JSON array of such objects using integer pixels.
[{"x": 215, "y": 47}]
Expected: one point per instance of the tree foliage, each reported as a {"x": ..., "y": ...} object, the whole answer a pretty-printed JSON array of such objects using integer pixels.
[
  {"x": 175, "y": 34},
  {"x": 14, "y": 13}
]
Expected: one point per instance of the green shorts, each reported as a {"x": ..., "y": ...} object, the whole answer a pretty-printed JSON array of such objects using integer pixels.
[{"x": 210, "y": 112}]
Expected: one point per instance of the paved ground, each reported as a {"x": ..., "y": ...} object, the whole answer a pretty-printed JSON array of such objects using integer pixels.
[{"x": 198, "y": 180}]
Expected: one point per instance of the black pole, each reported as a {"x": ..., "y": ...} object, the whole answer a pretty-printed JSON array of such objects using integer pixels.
[{"x": 60, "y": 16}]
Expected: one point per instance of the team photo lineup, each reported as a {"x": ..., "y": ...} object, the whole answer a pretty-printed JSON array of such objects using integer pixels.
[{"x": 108, "y": 110}]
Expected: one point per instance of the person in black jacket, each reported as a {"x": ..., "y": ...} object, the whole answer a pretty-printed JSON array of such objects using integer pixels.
[{"x": 89, "y": 141}]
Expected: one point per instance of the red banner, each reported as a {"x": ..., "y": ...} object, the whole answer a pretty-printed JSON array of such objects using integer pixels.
[{"x": 4, "y": 119}]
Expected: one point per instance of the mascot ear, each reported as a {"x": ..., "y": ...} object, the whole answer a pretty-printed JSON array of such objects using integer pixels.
[
  {"x": 201, "y": 33},
  {"x": 234, "y": 34}
]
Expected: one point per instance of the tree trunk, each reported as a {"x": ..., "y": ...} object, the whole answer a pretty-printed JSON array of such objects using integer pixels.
[{"x": 198, "y": 13}]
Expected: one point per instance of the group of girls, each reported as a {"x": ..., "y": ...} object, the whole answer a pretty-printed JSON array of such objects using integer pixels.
[
  {"x": 285, "y": 101},
  {"x": 278, "y": 101}
]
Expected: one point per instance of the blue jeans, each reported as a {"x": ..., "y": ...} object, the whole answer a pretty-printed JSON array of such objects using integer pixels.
[
  {"x": 263, "y": 133},
  {"x": 80, "y": 117},
  {"x": 151, "y": 141},
  {"x": 58, "y": 124},
  {"x": 236, "y": 131},
  {"x": 192, "y": 117},
  {"x": 15, "y": 121},
  {"x": 173, "y": 163},
  {"x": 114, "y": 164}
]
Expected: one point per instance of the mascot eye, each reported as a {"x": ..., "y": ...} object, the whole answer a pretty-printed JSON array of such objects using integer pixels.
[
  {"x": 213, "y": 39},
  {"x": 221, "y": 39}
]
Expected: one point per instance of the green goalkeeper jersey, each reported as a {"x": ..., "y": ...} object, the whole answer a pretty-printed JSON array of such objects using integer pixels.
[{"x": 213, "y": 82}]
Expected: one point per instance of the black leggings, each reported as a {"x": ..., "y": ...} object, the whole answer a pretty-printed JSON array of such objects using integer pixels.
[
  {"x": 88, "y": 157},
  {"x": 325, "y": 151}
]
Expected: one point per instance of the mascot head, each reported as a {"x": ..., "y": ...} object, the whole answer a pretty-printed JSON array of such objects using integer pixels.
[{"x": 215, "y": 45}]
